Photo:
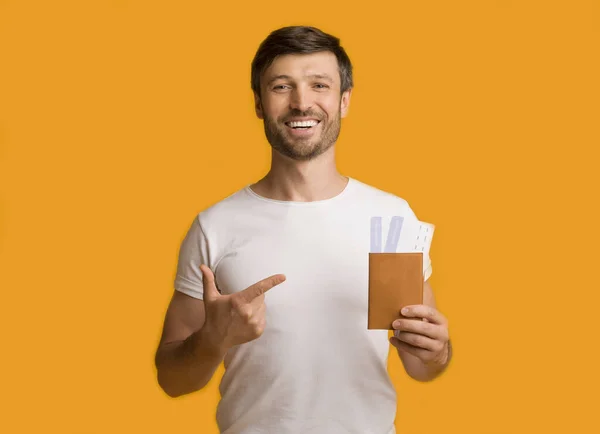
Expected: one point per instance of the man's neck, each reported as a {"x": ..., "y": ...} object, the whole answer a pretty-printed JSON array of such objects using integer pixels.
[{"x": 300, "y": 187}]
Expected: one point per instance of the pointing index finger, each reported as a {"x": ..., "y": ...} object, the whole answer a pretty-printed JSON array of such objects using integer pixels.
[{"x": 261, "y": 287}]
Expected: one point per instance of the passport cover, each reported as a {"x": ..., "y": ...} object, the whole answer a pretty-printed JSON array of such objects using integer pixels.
[{"x": 395, "y": 281}]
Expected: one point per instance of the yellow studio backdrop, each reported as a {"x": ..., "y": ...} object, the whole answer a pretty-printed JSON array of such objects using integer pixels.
[{"x": 121, "y": 120}]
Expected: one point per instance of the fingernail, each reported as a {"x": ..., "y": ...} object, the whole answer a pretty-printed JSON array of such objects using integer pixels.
[{"x": 404, "y": 310}]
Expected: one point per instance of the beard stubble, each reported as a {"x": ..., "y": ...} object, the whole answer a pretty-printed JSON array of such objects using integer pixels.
[{"x": 302, "y": 149}]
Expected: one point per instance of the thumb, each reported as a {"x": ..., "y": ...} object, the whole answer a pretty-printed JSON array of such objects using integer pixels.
[{"x": 208, "y": 280}]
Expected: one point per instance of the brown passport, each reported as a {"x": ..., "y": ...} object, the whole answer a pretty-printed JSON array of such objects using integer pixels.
[{"x": 395, "y": 281}]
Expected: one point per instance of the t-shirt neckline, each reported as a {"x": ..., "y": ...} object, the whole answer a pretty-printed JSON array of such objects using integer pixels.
[{"x": 340, "y": 195}]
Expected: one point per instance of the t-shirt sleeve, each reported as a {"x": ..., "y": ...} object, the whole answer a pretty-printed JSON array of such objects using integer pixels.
[
  {"x": 427, "y": 269},
  {"x": 193, "y": 252}
]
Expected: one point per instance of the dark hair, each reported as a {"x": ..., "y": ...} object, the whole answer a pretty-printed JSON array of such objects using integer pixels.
[{"x": 299, "y": 40}]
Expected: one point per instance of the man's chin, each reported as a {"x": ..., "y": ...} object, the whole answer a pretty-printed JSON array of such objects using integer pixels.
[{"x": 303, "y": 152}]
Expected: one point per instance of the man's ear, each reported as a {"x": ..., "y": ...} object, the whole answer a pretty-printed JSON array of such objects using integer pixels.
[
  {"x": 258, "y": 106},
  {"x": 345, "y": 102}
]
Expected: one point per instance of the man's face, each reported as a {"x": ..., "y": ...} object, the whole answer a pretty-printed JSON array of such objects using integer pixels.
[{"x": 301, "y": 104}]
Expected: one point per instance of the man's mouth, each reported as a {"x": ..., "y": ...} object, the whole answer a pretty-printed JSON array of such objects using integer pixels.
[{"x": 302, "y": 125}]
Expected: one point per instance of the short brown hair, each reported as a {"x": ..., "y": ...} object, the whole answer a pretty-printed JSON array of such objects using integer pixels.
[{"x": 299, "y": 40}]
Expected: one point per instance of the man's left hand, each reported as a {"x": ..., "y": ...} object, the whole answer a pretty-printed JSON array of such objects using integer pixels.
[{"x": 422, "y": 332}]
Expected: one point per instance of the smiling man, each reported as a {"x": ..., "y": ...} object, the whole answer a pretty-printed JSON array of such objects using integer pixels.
[
  {"x": 302, "y": 112},
  {"x": 273, "y": 280}
]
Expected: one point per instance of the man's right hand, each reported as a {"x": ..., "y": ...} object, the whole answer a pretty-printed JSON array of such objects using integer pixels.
[{"x": 237, "y": 318}]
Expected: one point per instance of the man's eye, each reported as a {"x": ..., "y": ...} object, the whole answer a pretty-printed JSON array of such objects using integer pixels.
[
  {"x": 278, "y": 87},
  {"x": 321, "y": 86}
]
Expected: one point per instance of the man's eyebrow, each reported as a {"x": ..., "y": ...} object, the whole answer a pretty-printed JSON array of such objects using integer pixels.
[
  {"x": 278, "y": 77},
  {"x": 322, "y": 77},
  {"x": 287, "y": 77}
]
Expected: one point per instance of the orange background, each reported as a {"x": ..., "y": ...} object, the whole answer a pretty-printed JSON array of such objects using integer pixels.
[{"x": 121, "y": 120}]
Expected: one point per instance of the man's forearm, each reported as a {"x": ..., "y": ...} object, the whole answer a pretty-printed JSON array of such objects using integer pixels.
[{"x": 185, "y": 367}]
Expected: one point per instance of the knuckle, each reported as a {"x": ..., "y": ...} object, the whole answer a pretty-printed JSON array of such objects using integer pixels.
[
  {"x": 419, "y": 340},
  {"x": 244, "y": 312},
  {"x": 258, "y": 328},
  {"x": 428, "y": 328},
  {"x": 237, "y": 303},
  {"x": 440, "y": 346},
  {"x": 255, "y": 293}
]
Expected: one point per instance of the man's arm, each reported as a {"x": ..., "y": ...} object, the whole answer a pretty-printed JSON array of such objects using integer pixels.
[
  {"x": 198, "y": 333},
  {"x": 413, "y": 365},
  {"x": 185, "y": 360}
]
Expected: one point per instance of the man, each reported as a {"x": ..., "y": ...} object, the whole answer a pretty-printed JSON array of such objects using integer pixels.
[{"x": 273, "y": 279}]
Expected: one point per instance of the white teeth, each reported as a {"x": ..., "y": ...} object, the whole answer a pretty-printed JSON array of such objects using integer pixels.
[{"x": 303, "y": 124}]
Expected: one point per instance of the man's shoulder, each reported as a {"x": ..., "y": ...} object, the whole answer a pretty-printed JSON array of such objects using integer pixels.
[
  {"x": 381, "y": 195},
  {"x": 225, "y": 208}
]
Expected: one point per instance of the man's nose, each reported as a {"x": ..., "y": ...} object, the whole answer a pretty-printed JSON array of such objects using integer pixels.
[{"x": 300, "y": 99}]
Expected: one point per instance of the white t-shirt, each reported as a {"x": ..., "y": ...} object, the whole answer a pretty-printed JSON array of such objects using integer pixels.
[{"x": 316, "y": 369}]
